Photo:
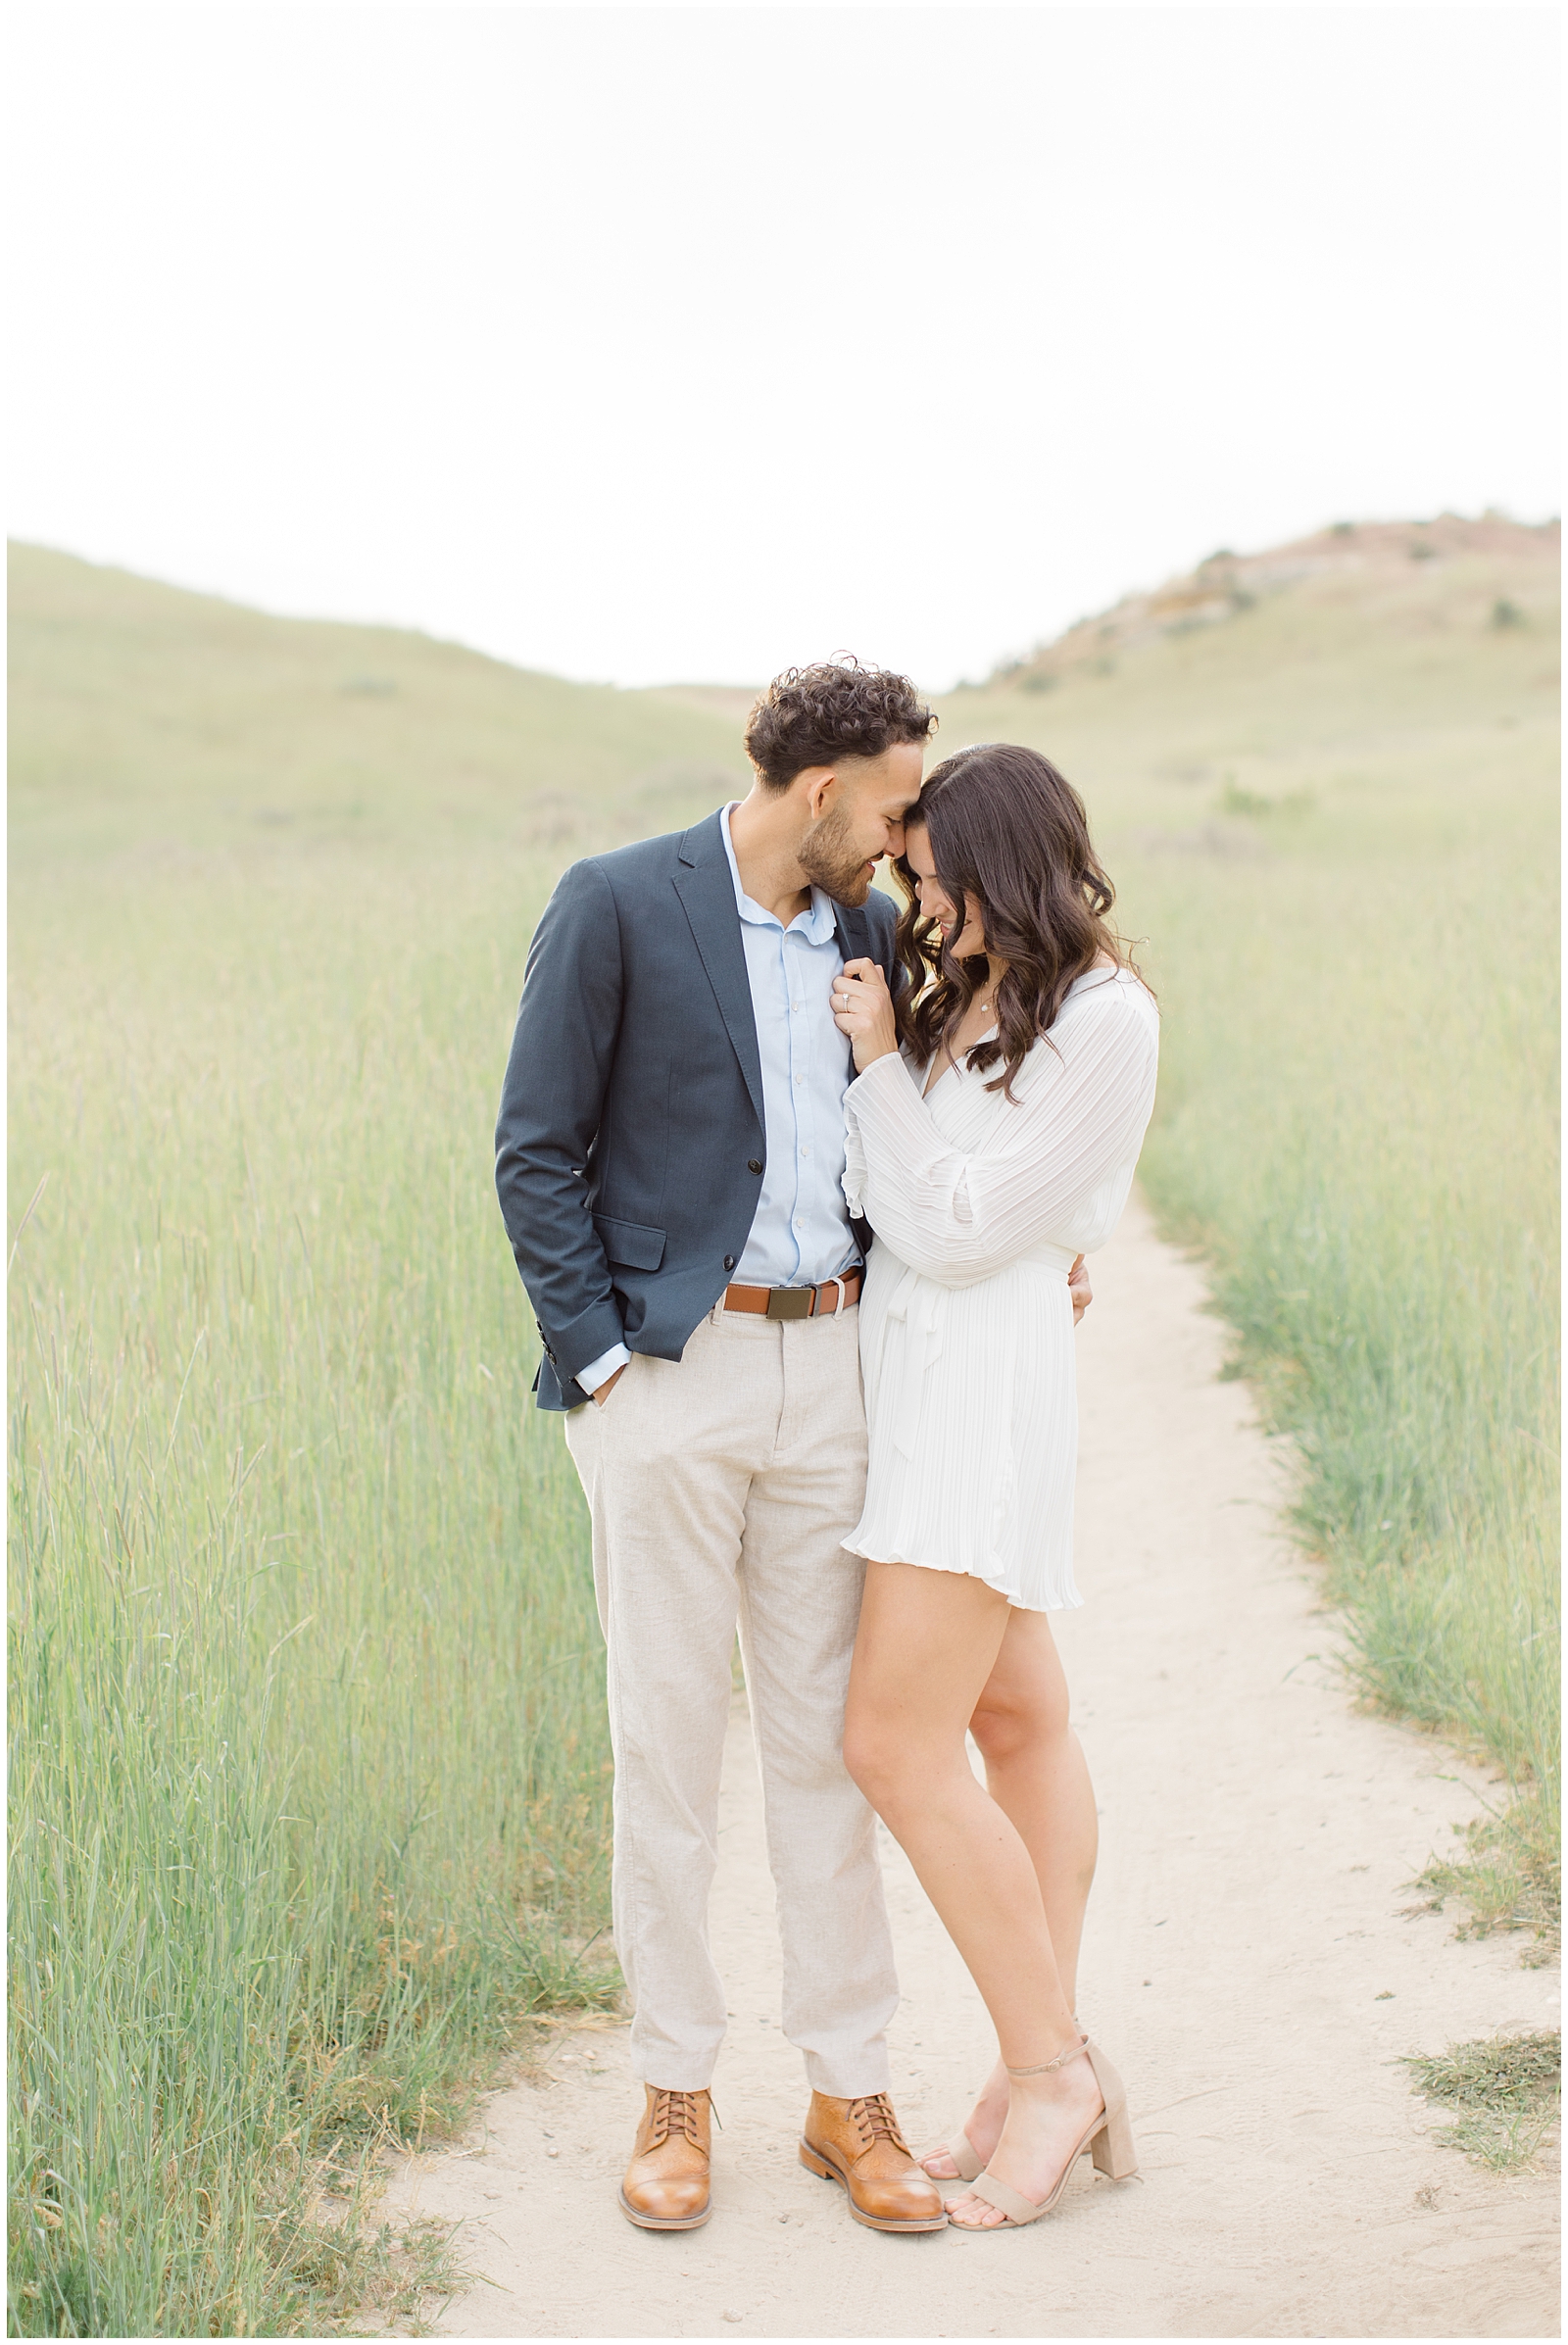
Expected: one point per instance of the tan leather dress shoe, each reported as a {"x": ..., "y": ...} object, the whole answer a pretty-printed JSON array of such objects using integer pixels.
[
  {"x": 666, "y": 2188},
  {"x": 858, "y": 2144}
]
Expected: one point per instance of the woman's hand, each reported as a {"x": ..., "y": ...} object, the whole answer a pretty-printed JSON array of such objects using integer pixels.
[
  {"x": 1078, "y": 1287},
  {"x": 862, "y": 1008}
]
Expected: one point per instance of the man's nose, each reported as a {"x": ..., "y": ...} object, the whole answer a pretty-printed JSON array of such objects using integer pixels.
[{"x": 895, "y": 845}]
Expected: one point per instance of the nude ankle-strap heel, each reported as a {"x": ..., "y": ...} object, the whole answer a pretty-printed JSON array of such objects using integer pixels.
[
  {"x": 965, "y": 2157},
  {"x": 1108, "y": 2140}
]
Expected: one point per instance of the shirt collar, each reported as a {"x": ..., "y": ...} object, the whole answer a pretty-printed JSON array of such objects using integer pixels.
[{"x": 817, "y": 925}]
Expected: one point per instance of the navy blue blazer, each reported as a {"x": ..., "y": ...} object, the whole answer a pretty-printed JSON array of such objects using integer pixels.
[{"x": 632, "y": 1139}]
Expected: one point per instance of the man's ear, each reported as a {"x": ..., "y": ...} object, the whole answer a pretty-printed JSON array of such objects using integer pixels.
[{"x": 820, "y": 783}]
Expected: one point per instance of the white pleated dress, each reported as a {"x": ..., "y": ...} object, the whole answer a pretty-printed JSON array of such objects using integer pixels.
[{"x": 979, "y": 1205}]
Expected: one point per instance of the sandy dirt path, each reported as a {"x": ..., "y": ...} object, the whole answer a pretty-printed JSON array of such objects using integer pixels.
[{"x": 1250, "y": 1966}]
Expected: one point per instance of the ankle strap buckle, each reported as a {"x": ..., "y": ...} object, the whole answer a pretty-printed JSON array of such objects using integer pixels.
[{"x": 1044, "y": 2067}]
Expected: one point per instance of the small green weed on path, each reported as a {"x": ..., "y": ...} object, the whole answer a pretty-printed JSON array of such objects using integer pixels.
[{"x": 1504, "y": 2089}]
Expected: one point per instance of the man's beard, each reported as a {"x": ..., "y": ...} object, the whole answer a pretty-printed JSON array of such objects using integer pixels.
[{"x": 830, "y": 862}]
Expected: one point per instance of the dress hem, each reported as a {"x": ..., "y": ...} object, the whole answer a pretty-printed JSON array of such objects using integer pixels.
[{"x": 1072, "y": 1603}]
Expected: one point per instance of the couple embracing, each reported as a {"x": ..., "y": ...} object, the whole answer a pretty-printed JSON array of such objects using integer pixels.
[{"x": 798, "y": 1188}]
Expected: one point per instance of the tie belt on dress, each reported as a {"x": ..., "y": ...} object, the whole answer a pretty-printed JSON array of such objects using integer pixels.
[
  {"x": 797, "y": 1302},
  {"x": 912, "y": 1339}
]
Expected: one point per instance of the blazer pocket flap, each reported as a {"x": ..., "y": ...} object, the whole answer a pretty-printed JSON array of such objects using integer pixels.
[{"x": 630, "y": 1242}]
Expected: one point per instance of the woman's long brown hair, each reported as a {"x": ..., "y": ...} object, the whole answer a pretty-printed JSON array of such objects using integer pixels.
[{"x": 1007, "y": 829}]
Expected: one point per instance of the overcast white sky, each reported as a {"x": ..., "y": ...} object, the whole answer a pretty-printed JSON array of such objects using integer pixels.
[{"x": 654, "y": 343}]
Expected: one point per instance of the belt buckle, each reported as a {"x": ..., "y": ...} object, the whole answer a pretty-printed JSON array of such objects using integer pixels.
[{"x": 790, "y": 1302}]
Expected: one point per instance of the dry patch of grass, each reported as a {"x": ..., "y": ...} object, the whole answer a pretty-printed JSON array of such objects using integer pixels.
[
  {"x": 1504, "y": 2091},
  {"x": 1509, "y": 1877}
]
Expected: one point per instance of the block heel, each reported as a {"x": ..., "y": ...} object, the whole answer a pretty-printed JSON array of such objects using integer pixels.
[{"x": 1113, "y": 2150}]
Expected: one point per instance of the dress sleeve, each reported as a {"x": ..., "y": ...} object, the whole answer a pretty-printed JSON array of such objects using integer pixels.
[
  {"x": 1084, "y": 1101},
  {"x": 854, "y": 1157}
]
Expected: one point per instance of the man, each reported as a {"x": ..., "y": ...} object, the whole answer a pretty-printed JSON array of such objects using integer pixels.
[{"x": 668, "y": 1159}]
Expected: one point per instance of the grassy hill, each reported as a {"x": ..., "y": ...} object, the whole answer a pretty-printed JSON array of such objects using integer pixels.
[
  {"x": 1356, "y": 573},
  {"x": 1319, "y": 678},
  {"x": 144, "y": 717},
  {"x": 309, "y": 1795}
]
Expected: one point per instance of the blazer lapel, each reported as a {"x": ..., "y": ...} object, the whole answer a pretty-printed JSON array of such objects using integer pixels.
[
  {"x": 707, "y": 898},
  {"x": 854, "y": 932}
]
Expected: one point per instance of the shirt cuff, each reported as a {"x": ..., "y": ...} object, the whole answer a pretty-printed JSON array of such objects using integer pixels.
[{"x": 599, "y": 1371}]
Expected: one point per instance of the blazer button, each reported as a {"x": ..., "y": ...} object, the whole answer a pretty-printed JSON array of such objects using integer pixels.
[
  {"x": 753, "y": 1165},
  {"x": 729, "y": 1261}
]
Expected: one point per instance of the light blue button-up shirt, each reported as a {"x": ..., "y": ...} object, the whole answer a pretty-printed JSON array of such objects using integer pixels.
[
  {"x": 800, "y": 1231},
  {"x": 801, "y": 1234}
]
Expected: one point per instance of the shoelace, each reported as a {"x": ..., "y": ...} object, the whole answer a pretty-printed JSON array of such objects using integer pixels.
[
  {"x": 872, "y": 2111},
  {"x": 674, "y": 2113}
]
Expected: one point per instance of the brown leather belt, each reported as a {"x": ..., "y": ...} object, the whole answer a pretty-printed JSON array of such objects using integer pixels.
[{"x": 796, "y": 1302}]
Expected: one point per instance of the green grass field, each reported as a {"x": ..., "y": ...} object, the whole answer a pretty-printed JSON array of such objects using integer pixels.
[{"x": 309, "y": 1768}]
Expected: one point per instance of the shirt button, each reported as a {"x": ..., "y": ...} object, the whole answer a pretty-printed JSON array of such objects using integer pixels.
[
  {"x": 799, "y": 1080},
  {"x": 806, "y": 1151},
  {"x": 794, "y": 1006},
  {"x": 799, "y": 1224}
]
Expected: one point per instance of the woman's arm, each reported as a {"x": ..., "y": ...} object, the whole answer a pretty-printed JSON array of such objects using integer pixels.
[{"x": 959, "y": 1218}]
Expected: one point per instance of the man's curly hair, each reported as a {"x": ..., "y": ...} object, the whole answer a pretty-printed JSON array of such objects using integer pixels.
[{"x": 816, "y": 716}]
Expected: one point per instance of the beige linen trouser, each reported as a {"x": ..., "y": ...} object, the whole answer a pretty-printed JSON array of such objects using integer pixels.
[{"x": 721, "y": 1486}]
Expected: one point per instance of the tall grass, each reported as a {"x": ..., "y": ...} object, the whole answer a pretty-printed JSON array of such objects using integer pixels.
[
  {"x": 1357, "y": 1124},
  {"x": 309, "y": 1769}
]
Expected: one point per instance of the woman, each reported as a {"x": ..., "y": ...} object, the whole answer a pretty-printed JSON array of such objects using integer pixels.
[{"x": 995, "y": 1147}]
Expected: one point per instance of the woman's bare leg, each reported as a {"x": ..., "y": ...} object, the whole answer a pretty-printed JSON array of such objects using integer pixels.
[
  {"x": 1037, "y": 1774},
  {"x": 929, "y": 1642}
]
